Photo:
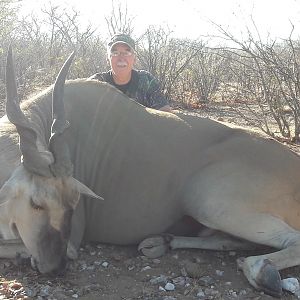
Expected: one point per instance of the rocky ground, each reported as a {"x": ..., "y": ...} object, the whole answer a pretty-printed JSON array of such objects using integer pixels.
[{"x": 121, "y": 273}]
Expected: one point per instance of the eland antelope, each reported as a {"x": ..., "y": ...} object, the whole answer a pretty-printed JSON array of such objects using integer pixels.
[{"x": 152, "y": 169}]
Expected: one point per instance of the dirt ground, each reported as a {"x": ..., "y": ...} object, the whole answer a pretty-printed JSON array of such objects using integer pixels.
[{"x": 121, "y": 273}]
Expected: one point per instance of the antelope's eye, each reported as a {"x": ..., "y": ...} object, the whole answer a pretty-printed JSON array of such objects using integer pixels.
[{"x": 35, "y": 206}]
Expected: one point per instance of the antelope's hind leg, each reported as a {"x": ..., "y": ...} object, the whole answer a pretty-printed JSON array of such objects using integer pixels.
[{"x": 262, "y": 271}]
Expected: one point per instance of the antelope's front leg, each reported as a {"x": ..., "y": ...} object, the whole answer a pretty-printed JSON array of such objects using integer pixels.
[{"x": 13, "y": 248}]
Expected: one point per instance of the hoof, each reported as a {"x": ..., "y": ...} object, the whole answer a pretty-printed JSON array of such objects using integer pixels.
[
  {"x": 155, "y": 246},
  {"x": 269, "y": 280},
  {"x": 263, "y": 275}
]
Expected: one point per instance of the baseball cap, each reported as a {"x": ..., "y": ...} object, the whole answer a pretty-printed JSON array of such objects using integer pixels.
[{"x": 121, "y": 38}]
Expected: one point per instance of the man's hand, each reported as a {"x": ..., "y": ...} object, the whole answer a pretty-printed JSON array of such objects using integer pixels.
[{"x": 166, "y": 108}]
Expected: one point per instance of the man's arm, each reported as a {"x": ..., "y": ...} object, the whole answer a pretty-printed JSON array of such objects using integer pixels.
[{"x": 156, "y": 98}]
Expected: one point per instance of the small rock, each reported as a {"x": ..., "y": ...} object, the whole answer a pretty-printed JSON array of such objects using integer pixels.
[
  {"x": 232, "y": 293},
  {"x": 193, "y": 269},
  {"x": 219, "y": 273},
  {"x": 70, "y": 292},
  {"x": 90, "y": 268},
  {"x": 200, "y": 294},
  {"x": 144, "y": 258},
  {"x": 117, "y": 257},
  {"x": 30, "y": 292},
  {"x": 179, "y": 281},
  {"x": 206, "y": 280},
  {"x": 290, "y": 284},
  {"x": 211, "y": 292},
  {"x": 159, "y": 279},
  {"x": 243, "y": 293},
  {"x": 169, "y": 286},
  {"x": 129, "y": 262},
  {"x": 105, "y": 264},
  {"x": 83, "y": 266},
  {"x": 146, "y": 268},
  {"x": 45, "y": 291},
  {"x": 156, "y": 261}
]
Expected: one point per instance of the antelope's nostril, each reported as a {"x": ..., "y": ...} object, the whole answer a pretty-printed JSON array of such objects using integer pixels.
[{"x": 61, "y": 268}]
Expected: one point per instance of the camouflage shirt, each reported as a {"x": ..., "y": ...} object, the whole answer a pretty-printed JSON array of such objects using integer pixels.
[{"x": 142, "y": 87}]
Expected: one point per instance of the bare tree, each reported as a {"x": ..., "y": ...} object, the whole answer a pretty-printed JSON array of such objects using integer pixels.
[
  {"x": 205, "y": 75},
  {"x": 165, "y": 57},
  {"x": 44, "y": 42},
  {"x": 119, "y": 20},
  {"x": 266, "y": 74}
]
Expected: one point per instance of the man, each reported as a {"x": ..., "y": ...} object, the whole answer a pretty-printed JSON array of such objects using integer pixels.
[{"x": 139, "y": 85}]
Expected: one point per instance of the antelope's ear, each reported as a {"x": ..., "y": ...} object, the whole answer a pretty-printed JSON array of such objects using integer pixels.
[{"x": 83, "y": 189}]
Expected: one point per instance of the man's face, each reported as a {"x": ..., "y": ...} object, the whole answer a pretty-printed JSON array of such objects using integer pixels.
[{"x": 121, "y": 59}]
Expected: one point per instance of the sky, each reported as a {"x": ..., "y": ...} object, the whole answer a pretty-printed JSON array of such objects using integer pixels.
[{"x": 190, "y": 18}]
